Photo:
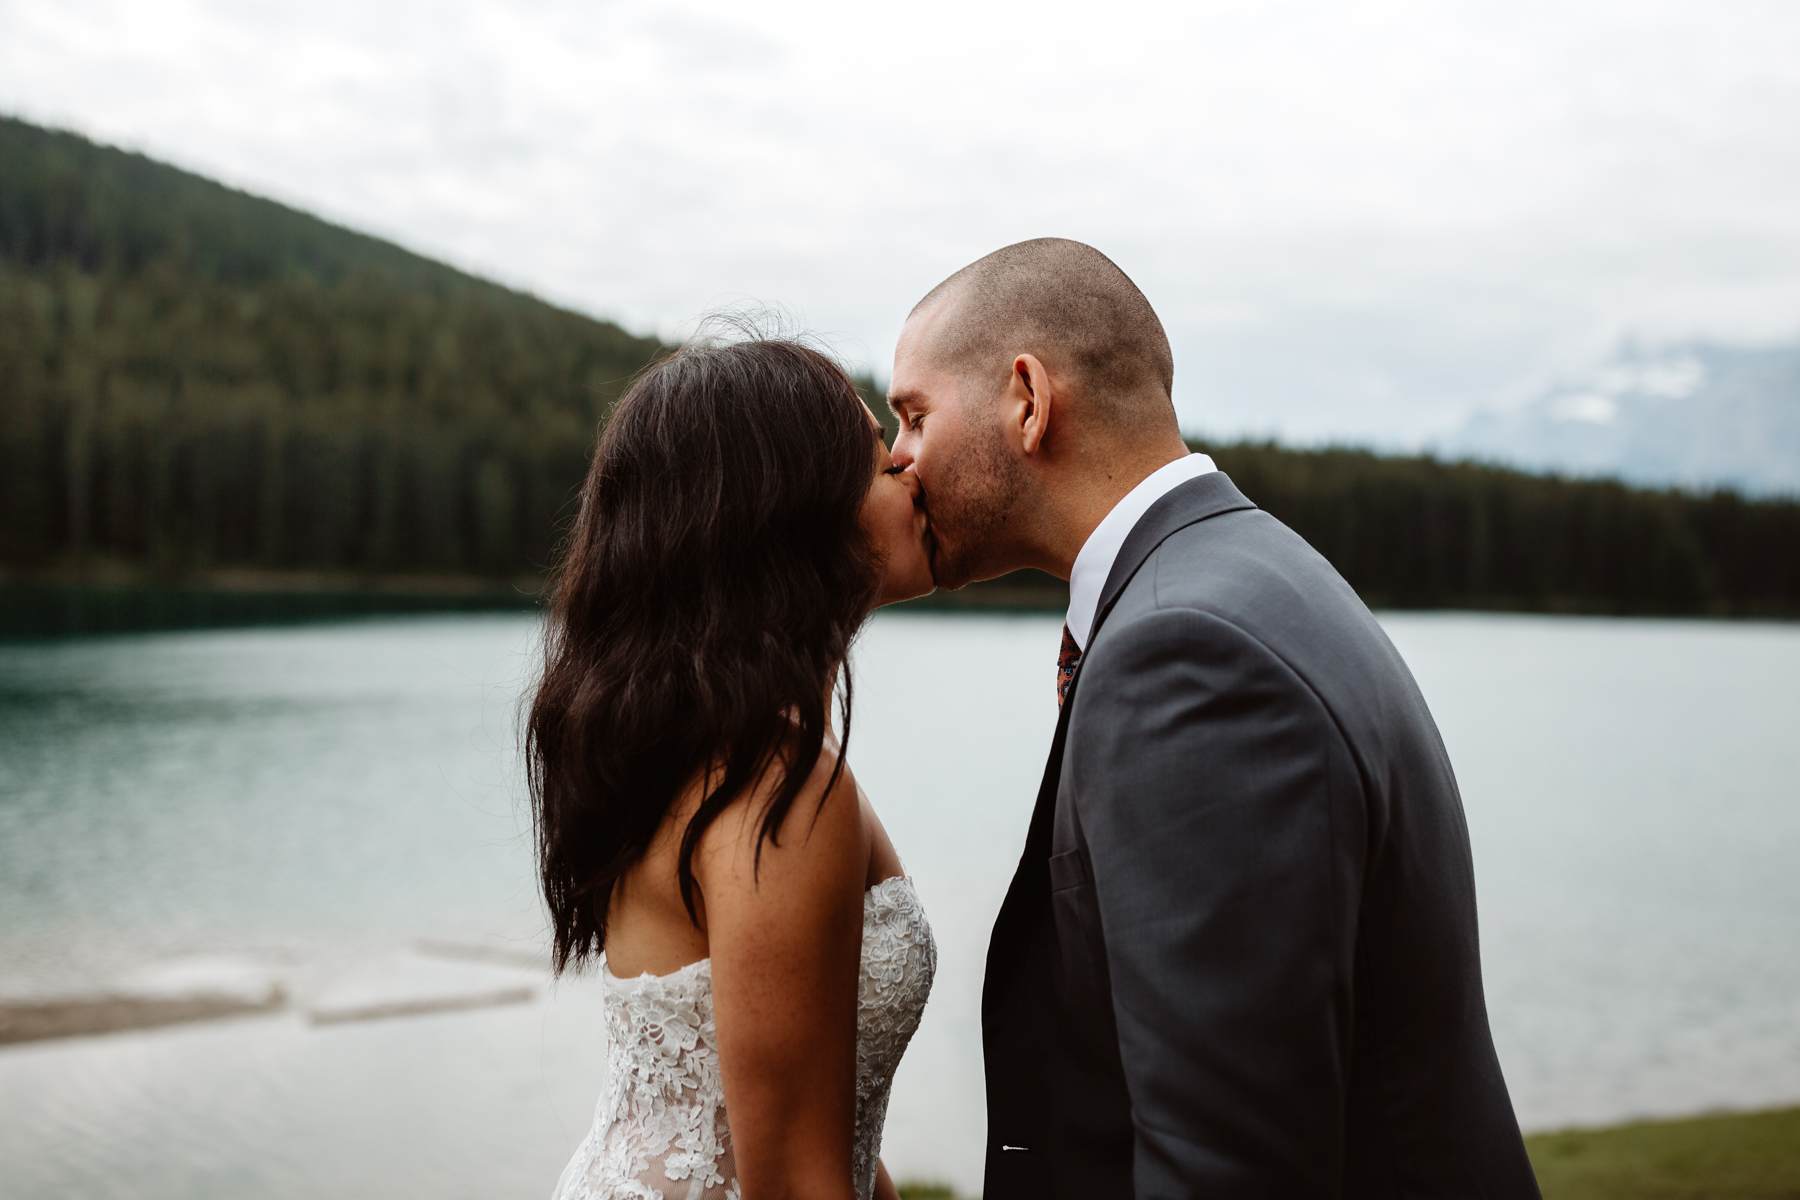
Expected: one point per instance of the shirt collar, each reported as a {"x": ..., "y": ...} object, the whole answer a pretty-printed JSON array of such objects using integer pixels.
[{"x": 1095, "y": 562}]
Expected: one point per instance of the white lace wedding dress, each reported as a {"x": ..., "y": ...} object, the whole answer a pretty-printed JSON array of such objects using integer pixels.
[{"x": 660, "y": 1130}]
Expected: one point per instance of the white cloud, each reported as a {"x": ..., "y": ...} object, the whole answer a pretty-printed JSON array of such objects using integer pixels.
[
  {"x": 1588, "y": 408},
  {"x": 1673, "y": 378},
  {"x": 1357, "y": 220}
]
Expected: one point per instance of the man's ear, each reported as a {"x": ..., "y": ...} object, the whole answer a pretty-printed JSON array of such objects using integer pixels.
[{"x": 1031, "y": 399}]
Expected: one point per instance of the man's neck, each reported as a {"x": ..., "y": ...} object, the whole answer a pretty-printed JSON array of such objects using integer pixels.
[{"x": 1074, "y": 522}]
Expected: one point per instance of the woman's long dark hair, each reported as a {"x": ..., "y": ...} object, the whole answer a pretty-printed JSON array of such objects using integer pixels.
[{"x": 710, "y": 586}]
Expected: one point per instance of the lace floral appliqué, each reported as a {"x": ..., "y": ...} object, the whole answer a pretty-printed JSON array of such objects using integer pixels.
[{"x": 660, "y": 1131}]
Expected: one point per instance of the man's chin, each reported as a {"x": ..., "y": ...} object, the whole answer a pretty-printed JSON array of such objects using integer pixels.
[
  {"x": 941, "y": 565},
  {"x": 956, "y": 583},
  {"x": 951, "y": 575},
  {"x": 949, "y": 571},
  {"x": 947, "y": 576},
  {"x": 933, "y": 556}
]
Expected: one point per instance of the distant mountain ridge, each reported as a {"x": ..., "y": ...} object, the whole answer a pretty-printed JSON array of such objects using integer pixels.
[
  {"x": 1696, "y": 415},
  {"x": 99, "y": 209}
]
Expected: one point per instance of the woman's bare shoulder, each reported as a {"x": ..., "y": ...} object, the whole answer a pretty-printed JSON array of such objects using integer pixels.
[{"x": 825, "y": 817}]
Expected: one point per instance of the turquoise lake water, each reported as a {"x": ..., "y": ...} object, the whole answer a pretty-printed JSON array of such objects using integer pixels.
[{"x": 336, "y": 808}]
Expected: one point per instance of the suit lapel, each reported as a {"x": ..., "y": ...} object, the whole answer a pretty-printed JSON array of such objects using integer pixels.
[{"x": 1196, "y": 500}]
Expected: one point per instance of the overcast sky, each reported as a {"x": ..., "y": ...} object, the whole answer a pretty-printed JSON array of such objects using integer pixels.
[{"x": 1357, "y": 221}]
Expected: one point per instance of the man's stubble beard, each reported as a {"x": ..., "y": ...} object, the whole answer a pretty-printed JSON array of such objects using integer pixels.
[{"x": 983, "y": 497}]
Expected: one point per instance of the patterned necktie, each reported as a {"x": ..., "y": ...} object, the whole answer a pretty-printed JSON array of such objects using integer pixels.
[{"x": 1065, "y": 665}]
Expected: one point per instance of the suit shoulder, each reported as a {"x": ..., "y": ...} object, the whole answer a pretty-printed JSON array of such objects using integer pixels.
[
  {"x": 1253, "y": 571},
  {"x": 1189, "y": 647},
  {"x": 1197, "y": 673}
]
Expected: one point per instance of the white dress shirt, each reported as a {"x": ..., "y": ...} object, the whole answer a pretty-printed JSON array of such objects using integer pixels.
[{"x": 1101, "y": 550}]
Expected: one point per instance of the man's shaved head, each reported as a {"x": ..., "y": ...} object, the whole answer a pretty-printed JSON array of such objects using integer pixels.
[
  {"x": 1033, "y": 390},
  {"x": 1068, "y": 304}
]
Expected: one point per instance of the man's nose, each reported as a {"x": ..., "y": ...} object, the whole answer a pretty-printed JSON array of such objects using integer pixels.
[{"x": 902, "y": 453}]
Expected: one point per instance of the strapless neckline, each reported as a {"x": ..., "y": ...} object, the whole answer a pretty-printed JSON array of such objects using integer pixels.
[{"x": 873, "y": 893}]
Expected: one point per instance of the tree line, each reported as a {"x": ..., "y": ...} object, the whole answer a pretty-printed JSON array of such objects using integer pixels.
[
  {"x": 193, "y": 378},
  {"x": 196, "y": 378},
  {"x": 1414, "y": 532}
]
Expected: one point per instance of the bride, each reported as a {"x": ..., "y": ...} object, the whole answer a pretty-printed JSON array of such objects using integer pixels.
[{"x": 763, "y": 959}]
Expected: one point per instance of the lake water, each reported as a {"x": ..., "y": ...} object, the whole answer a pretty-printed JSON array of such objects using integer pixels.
[{"x": 336, "y": 808}]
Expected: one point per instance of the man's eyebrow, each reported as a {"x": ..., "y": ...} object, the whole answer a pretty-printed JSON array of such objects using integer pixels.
[{"x": 899, "y": 400}]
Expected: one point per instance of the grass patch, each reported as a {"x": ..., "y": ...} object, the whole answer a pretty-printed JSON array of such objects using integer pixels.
[{"x": 1732, "y": 1156}]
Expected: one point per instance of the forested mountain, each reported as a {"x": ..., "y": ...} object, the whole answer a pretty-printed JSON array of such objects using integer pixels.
[
  {"x": 192, "y": 379},
  {"x": 196, "y": 377}
]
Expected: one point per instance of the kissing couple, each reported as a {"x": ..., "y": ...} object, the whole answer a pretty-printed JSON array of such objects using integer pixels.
[{"x": 1238, "y": 957}]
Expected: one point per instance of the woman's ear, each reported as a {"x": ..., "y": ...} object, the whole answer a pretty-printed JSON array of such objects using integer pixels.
[{"x": 1029, "y": 393}]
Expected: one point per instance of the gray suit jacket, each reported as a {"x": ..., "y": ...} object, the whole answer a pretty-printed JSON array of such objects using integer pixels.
[{"x": 1239, "y": 955}]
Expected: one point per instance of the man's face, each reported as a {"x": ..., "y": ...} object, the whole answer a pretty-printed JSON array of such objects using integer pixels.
[{"x": 951, "y": 438}]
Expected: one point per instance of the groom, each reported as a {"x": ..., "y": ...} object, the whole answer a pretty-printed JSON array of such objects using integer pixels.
[{"x": 1238, "y": 957}]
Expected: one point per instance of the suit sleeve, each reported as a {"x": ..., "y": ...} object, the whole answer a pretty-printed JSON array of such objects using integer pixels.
[{"x": 1225, "y": 827}]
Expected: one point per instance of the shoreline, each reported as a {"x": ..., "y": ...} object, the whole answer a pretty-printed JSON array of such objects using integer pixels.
[
  {"x": 82, "y": 1018},
  {"x": 427, "y": 977},
  {"x": 104, "y": 580},
  {"x": 25, "y": 1022},
  {"x": 116, "y": 576}
]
